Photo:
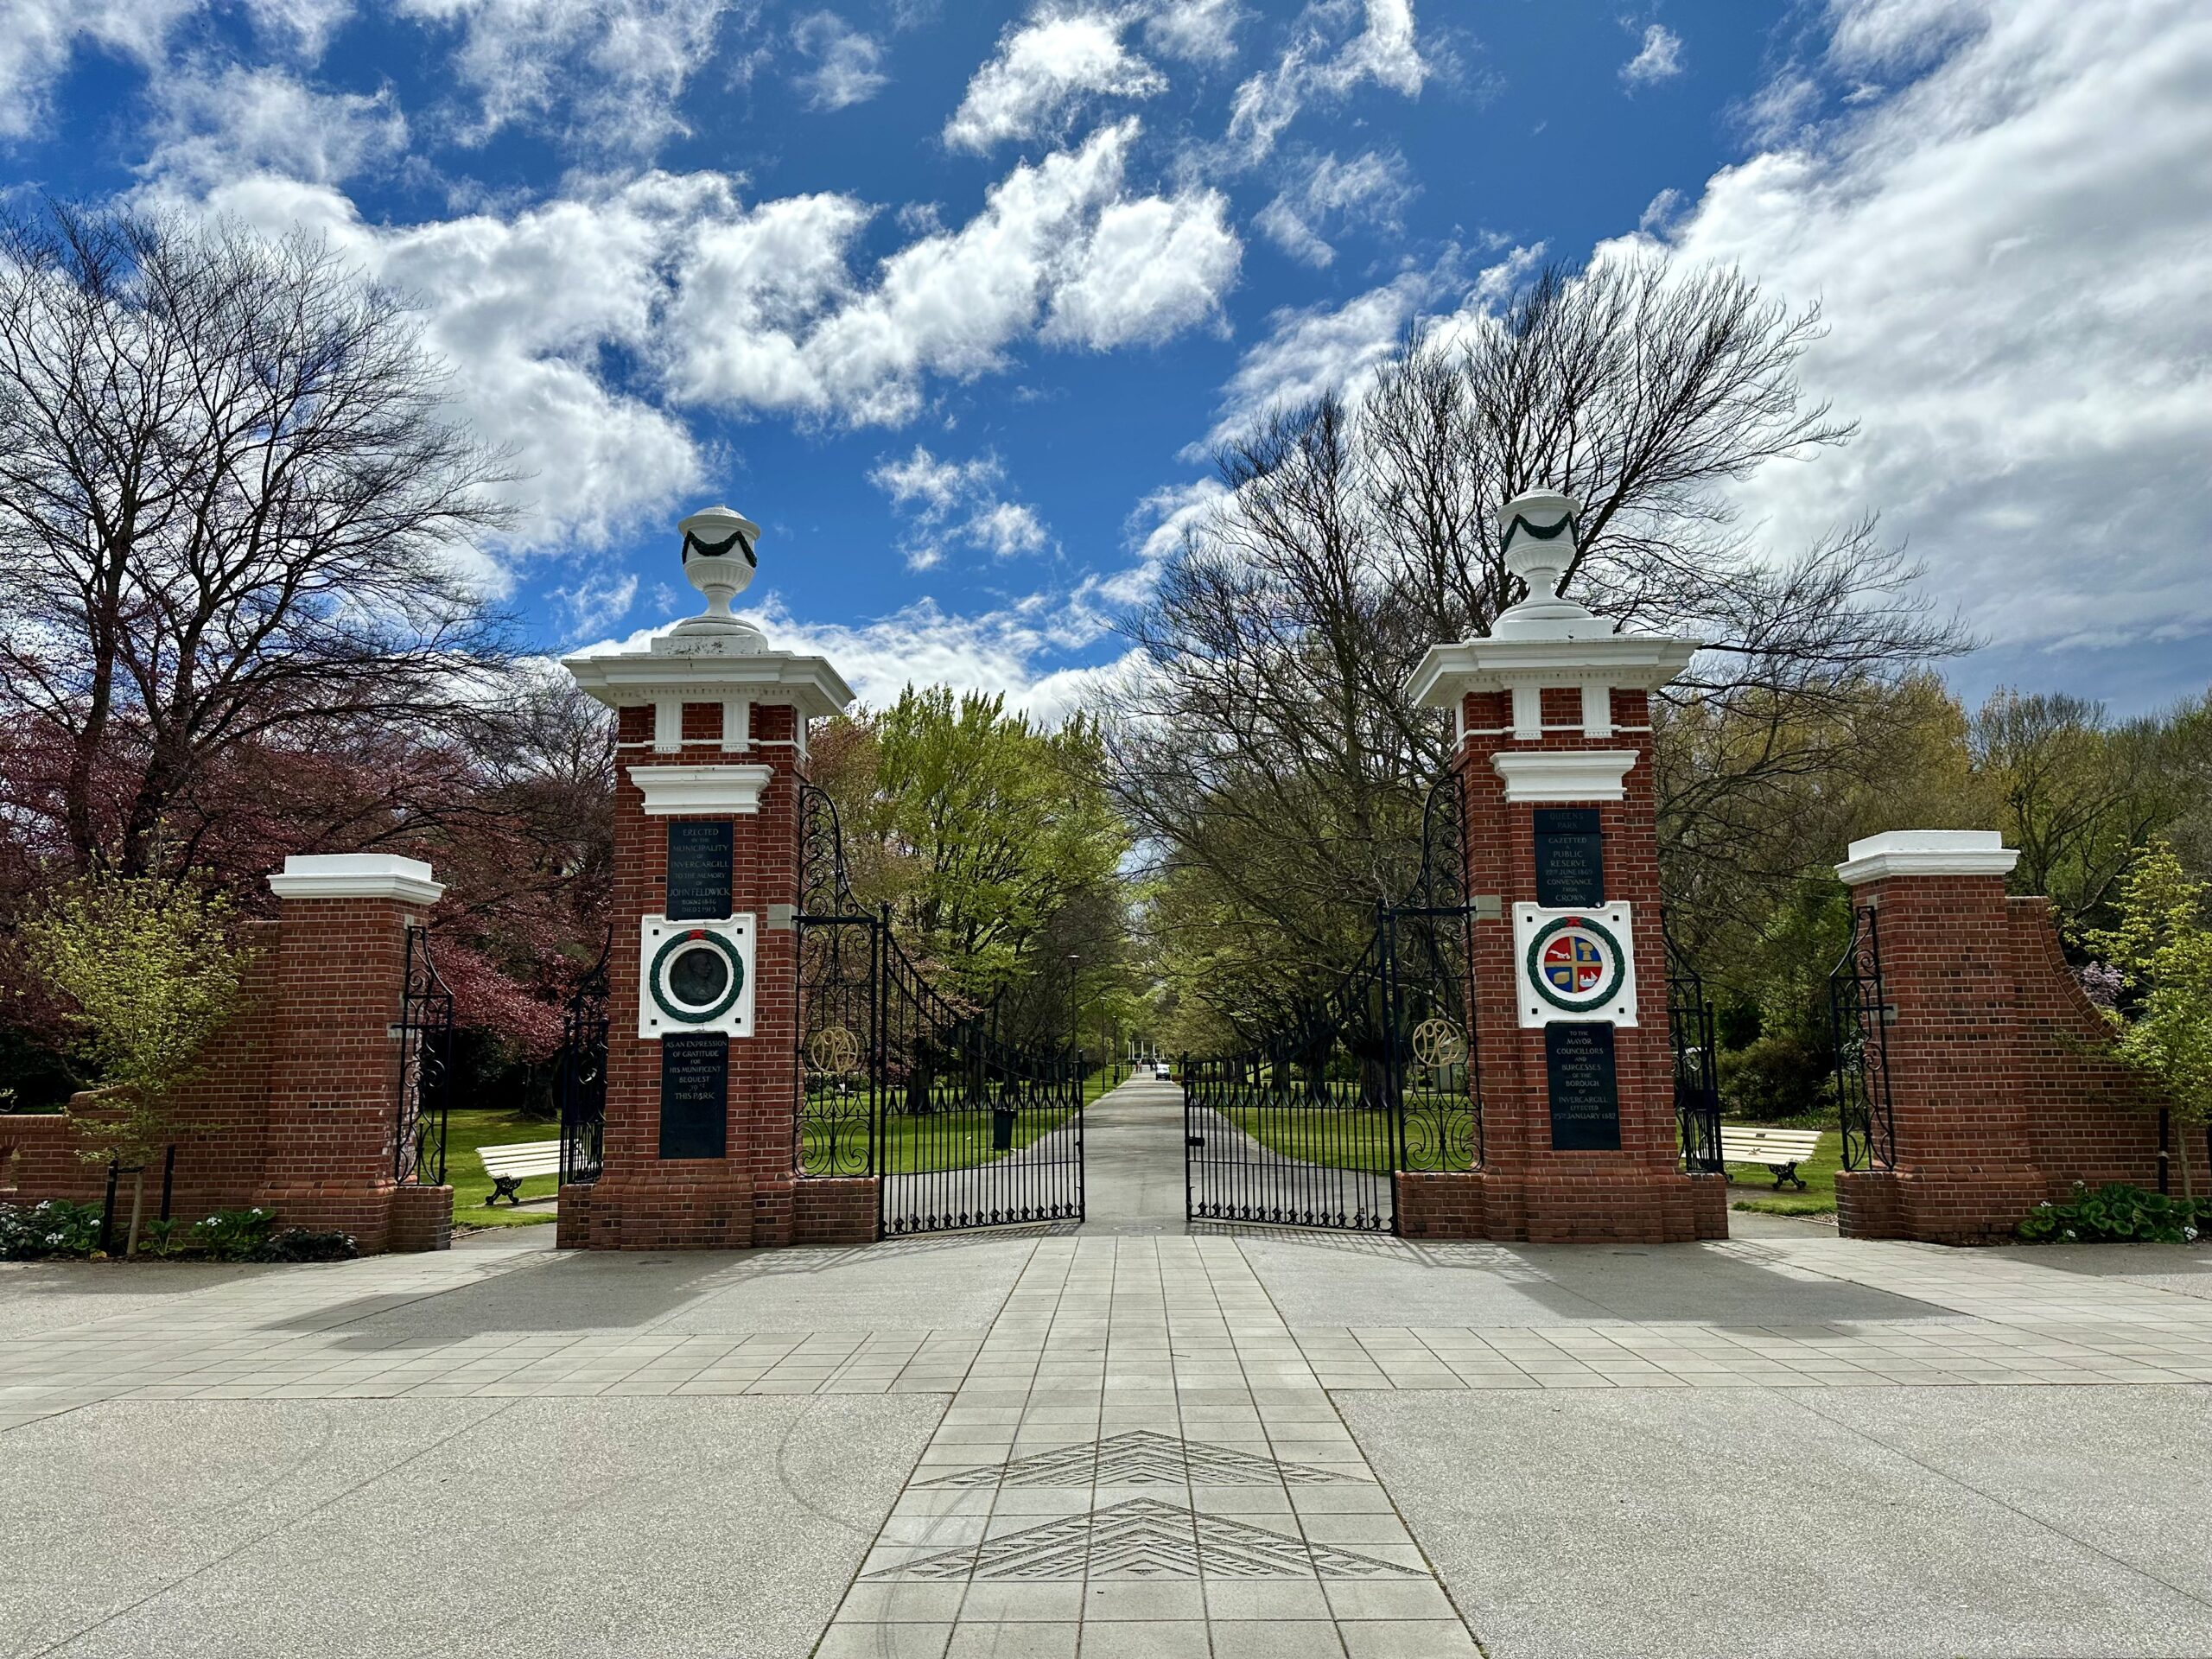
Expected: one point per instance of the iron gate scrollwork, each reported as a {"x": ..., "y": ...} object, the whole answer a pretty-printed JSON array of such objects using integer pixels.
[
  {"x": 425, "y": 1032},
  {"x": 1859, "y": 1014},
  {"x": 1697, "y": 1077},
  {"x": 582, "y": 1075},
  {"x": 964, "y": 1127},
  {"x": 1431, "y": 958},
  {"x": 1307, "y": 1125}
]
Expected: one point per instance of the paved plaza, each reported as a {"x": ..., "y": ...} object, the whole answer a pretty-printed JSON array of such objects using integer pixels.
[{"x": 1123, "y": 1439}]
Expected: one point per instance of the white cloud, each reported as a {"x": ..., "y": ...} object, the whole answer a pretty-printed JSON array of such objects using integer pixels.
[
  {"x": 39, "y": 37},
  {"x": 1044, "y": 70},
  {"x": 957, "y": 502},
  {"x": 1059, "y": 248},
  {"x": 1195, "y": 31},
  {"x": 1007, "y": 527},
  {"x": 1337, "y": 348},
  {"x": 599, "y": 600},
  {"x": 610, "y": 72},
  {"x": 1319, "y": 62},
  {"x": 1369, "y": 189},
  {"x": 2011, "y": 250},
  {"x": 521, "y": 307},
  {"x": 1002, "y": 650},
  {"x": 1151, "y": 269},
  {"x": 1661, "y": 212},
  {"x": 1660, "y": 58},
  {"x": 215, "y": 125},
  {"x": 580, "y": 328},
  {"x": 847, "y": 65}
]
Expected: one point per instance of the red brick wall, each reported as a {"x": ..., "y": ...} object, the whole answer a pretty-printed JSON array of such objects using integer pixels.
[
  {"x": 2003, "y": 1087},
  {"x": 1526, "y": 1189},
  {"x": 2090, "y": 1118},
  {"x": 641, "y": 1200},
  {"x": 835, "y": 1210},
  {"x": 296, "y": 1111}
]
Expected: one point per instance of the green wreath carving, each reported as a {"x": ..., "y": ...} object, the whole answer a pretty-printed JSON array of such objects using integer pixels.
[
  {"x": 699, "y": 1016},
  {"x": 1604, "y": 994}
]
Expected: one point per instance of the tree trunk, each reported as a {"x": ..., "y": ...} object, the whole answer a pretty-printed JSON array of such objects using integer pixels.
[{"x": 137, "y": 1206}]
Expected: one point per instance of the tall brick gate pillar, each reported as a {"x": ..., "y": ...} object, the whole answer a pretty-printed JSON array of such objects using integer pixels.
[
  {"x": 327, "y": 1157},
  {"x": 1554, "y": 750},
  {"x": 1962, "y": 1158},
  {"x": 702, "y": 1081}
]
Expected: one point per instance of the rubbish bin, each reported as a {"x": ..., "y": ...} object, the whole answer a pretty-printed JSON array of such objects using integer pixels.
[{"x": 1002, "y": 1129}]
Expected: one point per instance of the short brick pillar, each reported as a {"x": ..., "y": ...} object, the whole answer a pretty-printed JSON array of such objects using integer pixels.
[
  {"x": 710, "y": 753},
  {"x": 1553, "y": 752},
  {"x": 328, "y": 1155},
  {"x": 1999, "y": 1091}
]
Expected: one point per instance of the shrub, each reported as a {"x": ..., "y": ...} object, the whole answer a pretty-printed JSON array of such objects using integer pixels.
[
  {"x": 1782, "y": 1074},
  {"x": 2117, "y": 1214},
  {"x": 304, "y": 1244},
  {"x": 56, "y": 1227},
  {"x": 158, "y": 1237},
  {"x": 234, "y": 1235}
]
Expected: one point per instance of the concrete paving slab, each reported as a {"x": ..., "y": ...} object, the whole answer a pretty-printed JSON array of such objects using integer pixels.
[
  {"x": 1335, "y": 1278},
  {"x": 295, "y": 1530},
  {"x": 1653, "y": 1524}
]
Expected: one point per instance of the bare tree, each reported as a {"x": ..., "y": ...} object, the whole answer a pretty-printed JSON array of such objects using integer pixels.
[
  {"x": 1264, "y": 744},
  {"x": 232, "y": 512}
]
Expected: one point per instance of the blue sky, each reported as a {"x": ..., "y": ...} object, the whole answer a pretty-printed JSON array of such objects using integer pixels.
[{"x": 952, "y": 297}]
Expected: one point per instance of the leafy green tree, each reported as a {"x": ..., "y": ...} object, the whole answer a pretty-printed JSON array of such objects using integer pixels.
[
  {"x": 2082, "y": 797},
  {"x": 2162, "y": 945},
  {"x": 151, "y": 977},
  {"x": 996, "y": 849}
]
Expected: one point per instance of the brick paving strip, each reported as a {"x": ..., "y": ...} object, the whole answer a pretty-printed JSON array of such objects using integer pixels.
[{"x": 1141, "y": 1461}]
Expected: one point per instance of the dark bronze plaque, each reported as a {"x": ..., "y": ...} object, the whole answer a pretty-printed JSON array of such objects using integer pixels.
[
  {"x": 1570, "y": 858},
  {"x": 1585, "y": 1102},
  {"x": 694, "y": 1094},
  {"x": 698, "y": 870}
]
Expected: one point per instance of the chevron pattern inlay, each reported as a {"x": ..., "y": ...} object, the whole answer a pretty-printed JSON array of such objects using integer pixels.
[
  {"x": 1140, "y": 1457},
  {"x": 1147, "y": 1539}
]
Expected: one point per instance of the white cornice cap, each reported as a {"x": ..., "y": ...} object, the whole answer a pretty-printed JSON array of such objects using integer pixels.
[
  {"x": 683, "y": 791},
  {"x": 1564, "y": 774},
  {"x": 809, "y": 683},
  {"x": 1927, "y": 852},
  {"x": 1642, "y": 662},
  {"x": 356, "y": 875}
]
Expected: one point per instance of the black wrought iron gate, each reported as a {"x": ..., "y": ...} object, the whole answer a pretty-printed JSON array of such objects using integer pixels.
[
  {"x": 1307, "y": 1125},
  {"x": 965, "y": 1127}
]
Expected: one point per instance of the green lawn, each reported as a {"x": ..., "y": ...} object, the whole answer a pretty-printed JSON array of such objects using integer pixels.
[
  {"x": 471, "y": 1128},
  {"x": 1346, "y": 1137},
  {"x": 1752, "y": 1187},
  {"x": 943, "y": 1139}
]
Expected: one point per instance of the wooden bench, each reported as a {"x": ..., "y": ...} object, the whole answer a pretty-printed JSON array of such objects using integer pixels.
[
  {"x": 511, "y": 1165},
  {"x": 1780, "y": 1150}
]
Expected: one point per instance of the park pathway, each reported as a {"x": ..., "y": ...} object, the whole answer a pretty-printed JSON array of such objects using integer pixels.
[
  {"x": 1132, "y": 1160},
  {"x": 1140, "y": 1463}
]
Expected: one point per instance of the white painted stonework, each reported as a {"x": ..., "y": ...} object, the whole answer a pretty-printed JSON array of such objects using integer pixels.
[
  {"x": 1532, "y": 1008},
  {"x": 715, "y": 657},
  {"x": 1927, "y": 852},
  {"x": 356, "y": 875},
  {"x": 1564, "y": 774},
  {"x": 1547, "y": 640},
  {"x": 660, "y": 941},
  {"x": 692, "y": 791}
]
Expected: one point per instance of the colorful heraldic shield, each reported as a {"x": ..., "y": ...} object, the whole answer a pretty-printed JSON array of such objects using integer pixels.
[{"x": 1575, "y": 964}]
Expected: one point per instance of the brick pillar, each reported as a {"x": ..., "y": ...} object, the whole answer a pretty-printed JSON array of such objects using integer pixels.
[
  {"x": 711, "y": 738},
  {"x": 1551, "y": 713},
  {"x": 1964, "y": 1169},
  {"x": 342, "y": 956}
]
